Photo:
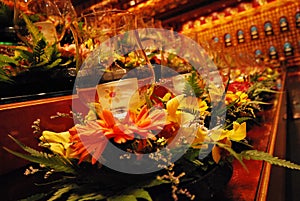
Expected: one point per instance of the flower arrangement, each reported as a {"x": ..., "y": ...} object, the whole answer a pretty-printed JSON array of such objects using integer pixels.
[
  {"x": 165, "y": 141},
  {"x": 36, "y": 55}
]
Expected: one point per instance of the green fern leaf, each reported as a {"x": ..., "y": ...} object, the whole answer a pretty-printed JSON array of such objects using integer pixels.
[
  {"x": 141, "y": 193},
  {"x": 56, "y": 162},
  {"x": 60, "y": 192},
  {"x": 122, "y": 198},
  {"x": 53, "y": 64},
  {"x": 33, "y": 152},
  {"x": 52, "y": 161},
  {"x": 36, "y": 35},
  {"x": 7, "y": 60},
  {"x": 243, "y": 119},
  {"x": 4, "y": 77},
  {"x": 24, "y": 55},
  {"x": 35, "y": 197},
  {"x": 52, "y": 52},
  {"x": 263, "y": 156},
  {"x": 191, "y": 86},
  {"x": 91, "y": 196},
  {"x": 258, "y": 103},
  {"x": 38, "y": 51},
  {"x": 233, "y": 153}
]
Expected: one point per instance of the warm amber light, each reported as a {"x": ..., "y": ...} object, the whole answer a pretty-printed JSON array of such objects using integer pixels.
[{"x": 132, "y": 3}]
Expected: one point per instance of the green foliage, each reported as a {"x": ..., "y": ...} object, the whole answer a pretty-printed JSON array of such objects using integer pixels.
[
  {"x": 37, "y": 54},
  {"x": 4, "y": 60},
  {"x": 90, "y": 196},
  {"x": 58, "y": 163},
  {"x": 35, "y": 197},
  {"x": 260, "y": 90},
  {"x": 123, "y": 198},
  {"x": 4, "y": 77},
  {"x": 132, "y": 196},
  {"x": 193, "y": 155},
  {"x": 243, "y": 119},
  {"x": 263, "y": 156},
  {"x": 233, "y": 153},
  {"x": 155, "y": 182},
  {"x": 58, "y": 194},
  {"x": 192, "y": 87},
  {"x": 36, "y": 35}
]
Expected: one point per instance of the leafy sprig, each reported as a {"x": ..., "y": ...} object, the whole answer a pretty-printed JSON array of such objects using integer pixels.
[
  {"x": 263, "y": 156},
  {"x": 192, "y": 87},
  {"x": 56, "y": 162},
  {"x": 37, "y": 54}
]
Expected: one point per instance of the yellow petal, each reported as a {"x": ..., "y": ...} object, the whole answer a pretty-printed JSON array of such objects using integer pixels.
[
  {"x": 57, "y": 148},
  {"x": 219, "y": 134},
  {"x": 230, "y": 97},
  {"x": 238, "y": 132},
  {"x": 199, "y": 139},
  {"x": 183, "y": 117},
  {"x": 203, "y": 106},
  {"x": 242, "y": 95},
  {"x": 172, "y": 106},
  {"x": 49, "y": 136},
  {"x": 166, "y": 97}
]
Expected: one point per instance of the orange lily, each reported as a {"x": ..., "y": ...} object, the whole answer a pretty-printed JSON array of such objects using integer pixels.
[{"x": 93, "y": 137}]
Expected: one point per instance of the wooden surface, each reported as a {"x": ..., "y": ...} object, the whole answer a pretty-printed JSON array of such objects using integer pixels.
[
  {"x": 16, "y": 119},
  {"x": 252, "y": 184}
]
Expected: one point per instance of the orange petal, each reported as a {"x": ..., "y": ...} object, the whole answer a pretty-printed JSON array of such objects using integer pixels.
[
  {"x": 119, "y": 139},
  {"x": 216, "y": 153},
  {"x": 108, "y": 117},
  {"x": 144, "y": 112},
  {"x": 144, "y": 123}
]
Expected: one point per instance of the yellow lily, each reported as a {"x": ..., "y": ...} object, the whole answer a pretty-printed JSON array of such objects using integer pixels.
[
  {"x": 58, "y": 143},
  {"x": 241, "y": 96},
  {"x": 174, "y": 115},
  {"x": 200, "y": 137},
  {"x": 230, "y": 97},
  {"x": 236, "y": 134},
  {"x": 172, "y": 106}
]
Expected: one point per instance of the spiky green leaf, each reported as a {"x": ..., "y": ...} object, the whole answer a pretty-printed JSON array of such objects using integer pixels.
[
  {"x": 7, "y": 60},
  {"x": 263, "y": 156},
  {"x": 91, "y": 196},
  {"x": 60, "y": 192},
  {"x": 53, "y": 64},
  {"x": 35, "y": 197},
  {"x": 243, "y": 119},
  {"x": 35, "y": 34},
  {"x": 122, "y": 198},
  {"x": 192, "y": 87},
  {"x": 4, "y": 77},
  {"x": 59, "y": 163},
  {"x": 141, "y": 193},
  {"x": 24, "y": 55},
  {"x": 155, "y": 182},
  {"x": 233, "y": 153}
]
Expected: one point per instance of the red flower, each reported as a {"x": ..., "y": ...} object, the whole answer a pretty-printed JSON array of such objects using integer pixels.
[{"x": 239, "y": 86}]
